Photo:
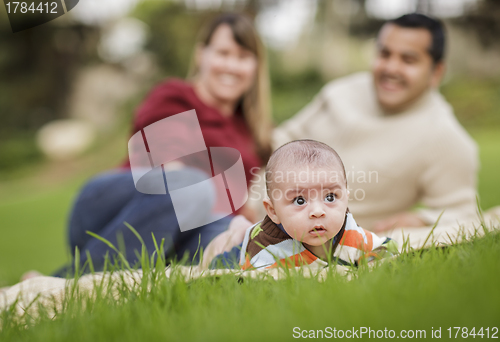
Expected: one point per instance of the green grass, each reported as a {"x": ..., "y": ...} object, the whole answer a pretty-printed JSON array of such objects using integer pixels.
[
  {"x": 489, "y": 154},
  {"x": 476, "y": 101},
  {"x": 34, "y": 209},
  {"x": 442, "y": 288},
  {"x": 33, "y": 235}
]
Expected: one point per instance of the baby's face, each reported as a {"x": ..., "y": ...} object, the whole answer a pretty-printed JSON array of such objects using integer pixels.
[{"x": 310, "y": 203}]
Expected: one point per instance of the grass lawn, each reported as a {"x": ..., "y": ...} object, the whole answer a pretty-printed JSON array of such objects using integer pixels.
[
  {"x": 453, "y": 288},
  {"x": 439, "y": 290},
  {"x": 489, "y": 152},
  {"x": 34, "y": 210}
]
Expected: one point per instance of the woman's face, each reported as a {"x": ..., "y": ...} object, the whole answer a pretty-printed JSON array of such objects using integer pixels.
[{"x": 226, "y": 69}]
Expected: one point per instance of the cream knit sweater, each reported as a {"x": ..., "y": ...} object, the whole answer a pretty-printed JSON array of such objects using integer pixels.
[{"x": 421, "y": 156}]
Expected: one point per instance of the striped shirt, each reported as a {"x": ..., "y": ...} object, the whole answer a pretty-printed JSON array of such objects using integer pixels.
[{"x": 266, "y": 246}]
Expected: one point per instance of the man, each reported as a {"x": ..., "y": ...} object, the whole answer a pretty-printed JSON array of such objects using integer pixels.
[{"x": 401, "y": 144}]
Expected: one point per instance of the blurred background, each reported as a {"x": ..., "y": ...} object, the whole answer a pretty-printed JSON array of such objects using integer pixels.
[{"x": 69, "y": 88}]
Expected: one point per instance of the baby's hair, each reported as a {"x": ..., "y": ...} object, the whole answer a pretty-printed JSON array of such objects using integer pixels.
[{"x": 301, "y": 152}]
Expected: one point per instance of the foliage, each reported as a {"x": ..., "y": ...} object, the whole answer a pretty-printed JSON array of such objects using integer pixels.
[
  {"x": 484, "y": 20},
  {"x": 18, "y": 151},
  {"x": 172, "y": 34},
  {"x": 37, "y": 66}
]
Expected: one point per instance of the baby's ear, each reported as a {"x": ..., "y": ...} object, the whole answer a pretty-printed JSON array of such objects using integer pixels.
[{"x": 268, "y": 205}]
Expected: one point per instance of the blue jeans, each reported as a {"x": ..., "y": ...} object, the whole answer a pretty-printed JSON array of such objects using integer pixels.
[{"x": 110, "y": 199}]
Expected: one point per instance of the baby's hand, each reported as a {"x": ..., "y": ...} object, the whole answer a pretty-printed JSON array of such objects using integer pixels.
[
  {"x": 225, "y": 241},
  {"x": 237, "y": 229}
]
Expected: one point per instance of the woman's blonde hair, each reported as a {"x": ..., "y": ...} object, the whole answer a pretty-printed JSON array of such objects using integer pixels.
[{"x": 255, "y": 103}]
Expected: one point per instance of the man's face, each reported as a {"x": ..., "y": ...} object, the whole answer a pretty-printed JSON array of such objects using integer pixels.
[
  {"x": 310, "y": 203},
  {"x": 403, "y": 69}
]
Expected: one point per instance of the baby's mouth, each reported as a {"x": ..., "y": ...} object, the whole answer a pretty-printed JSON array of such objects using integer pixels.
[{"x": 318, "y": 230}]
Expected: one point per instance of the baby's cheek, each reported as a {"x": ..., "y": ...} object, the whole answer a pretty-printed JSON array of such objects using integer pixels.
[
  {"x": 292, "y": 230},
  {"x": 339, "y": 221}
]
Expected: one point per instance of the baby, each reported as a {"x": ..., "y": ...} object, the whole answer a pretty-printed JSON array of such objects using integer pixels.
[{"x": 308, "y": 221}]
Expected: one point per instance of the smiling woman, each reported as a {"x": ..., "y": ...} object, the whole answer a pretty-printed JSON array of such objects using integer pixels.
[
  {"x": 226, "y": 70},
  {"x": 228, "y": 89},
  {"x": 230, "y": 61}
]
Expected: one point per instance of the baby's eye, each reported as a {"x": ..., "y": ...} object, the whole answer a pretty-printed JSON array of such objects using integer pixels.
[
  {"x": 299, "y": 200},
  {"x": 330, "y": 198}
]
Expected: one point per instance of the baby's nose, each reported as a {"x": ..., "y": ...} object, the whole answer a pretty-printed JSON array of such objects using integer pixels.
[{"x": 317, "y": 211}]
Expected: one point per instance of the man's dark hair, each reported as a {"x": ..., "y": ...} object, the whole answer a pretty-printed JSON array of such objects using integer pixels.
[{"x": 434, "y": 26}]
